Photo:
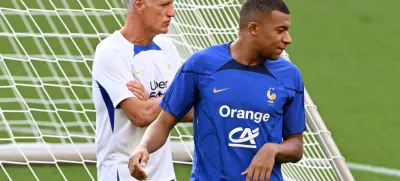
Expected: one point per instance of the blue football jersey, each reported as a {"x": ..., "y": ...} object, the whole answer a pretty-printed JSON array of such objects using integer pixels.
[{"x": 237, "y": 109}]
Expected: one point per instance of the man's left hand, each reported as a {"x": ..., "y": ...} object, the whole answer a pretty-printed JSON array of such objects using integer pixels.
[
  {"x": 261, "y": 166},
  {"x": 137, "y": 89}
]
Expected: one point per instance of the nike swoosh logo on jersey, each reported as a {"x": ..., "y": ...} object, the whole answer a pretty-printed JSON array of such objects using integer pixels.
[
  {"x": 219, "y": 90},
  {"x": 138, "y": 72}
]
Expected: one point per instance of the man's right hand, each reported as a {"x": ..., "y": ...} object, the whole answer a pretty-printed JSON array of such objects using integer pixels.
[{"x": 137, "y": 161}]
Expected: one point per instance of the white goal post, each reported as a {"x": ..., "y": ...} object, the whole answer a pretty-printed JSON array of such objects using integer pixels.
[{"x": 46, "y": 111}]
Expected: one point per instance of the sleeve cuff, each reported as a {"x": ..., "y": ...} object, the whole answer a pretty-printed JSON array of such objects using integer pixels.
[
  {"x": 117, "y": 101},
  {"x": 165, "y": 106}
]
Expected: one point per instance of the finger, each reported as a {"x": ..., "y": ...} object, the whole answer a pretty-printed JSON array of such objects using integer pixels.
[
  {"x": 268, "y": 174},
  {"x": 245, "y": 172},
  {"x": 138, "y": 170},
  {"x": 144, "y": 92},
  {"x": 250, "y": 174},
  {"x": 140, "y": 97},
  {"x": 132, "y": 165},
  {"x": 138, "y": 86},
  {"x": 130, "y": 88},
  {"x": 131, "y": 82},
  {"x": 134, "y": 85},
  {"x": 256, "y": 175},
  {"x": 139, "y": 91},
  {"x": 263, "y": 175},
  {"x": 140, "y": 173},
  {"x": 144, "y": 160},
  {"x": 142, "y": 87}
]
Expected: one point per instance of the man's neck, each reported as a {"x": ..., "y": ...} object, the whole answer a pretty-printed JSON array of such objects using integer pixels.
[
  {"x": 244, "y": 52},
  {"x": 136, "y": 32}
]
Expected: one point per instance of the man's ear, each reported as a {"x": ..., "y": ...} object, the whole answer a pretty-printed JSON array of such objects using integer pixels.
[
  {"x": 253, "y": 28},
  {"x": 139, "y": 5}
]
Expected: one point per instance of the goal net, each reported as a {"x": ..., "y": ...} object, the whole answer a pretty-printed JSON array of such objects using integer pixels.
[{"x": 47, "y": 117}]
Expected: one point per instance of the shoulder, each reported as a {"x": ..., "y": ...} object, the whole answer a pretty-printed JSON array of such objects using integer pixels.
[
  {"x": 210, "y": 59},
  {"x": 111, "y": 42},
  {"x": 215, "y": 51},
  {"x": 165, "y": 44},
  {"x": 114, "y": 46},
  {"x": 106, "y": 56},
  {"x": 282, "y": 66},
  {"x": 114, "y": 43},
  {"x": 163, "y": 41},
  {"x": 168, "y": 47},
  {"x": 286, "y": 72}
]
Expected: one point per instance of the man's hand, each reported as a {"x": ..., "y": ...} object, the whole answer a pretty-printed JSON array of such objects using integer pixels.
[
  {"x": 137, "y": 89},
  {"x": 261, "y": 166},
  {"x": 137, "y": 161}
]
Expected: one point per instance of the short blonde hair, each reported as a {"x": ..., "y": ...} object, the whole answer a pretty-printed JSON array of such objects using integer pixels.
[{"x": 129, "y": 5}]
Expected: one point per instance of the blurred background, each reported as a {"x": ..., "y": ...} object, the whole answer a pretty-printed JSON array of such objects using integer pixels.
[{"x": 346, "y": 51}]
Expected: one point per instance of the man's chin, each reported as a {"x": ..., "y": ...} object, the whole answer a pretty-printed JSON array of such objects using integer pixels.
[
  {"x": 274, "y": 57},
  {"x": 164, "y": 30}
]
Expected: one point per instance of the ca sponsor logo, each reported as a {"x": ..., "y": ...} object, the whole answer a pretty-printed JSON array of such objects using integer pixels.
[{"x": 243, "y": 137}]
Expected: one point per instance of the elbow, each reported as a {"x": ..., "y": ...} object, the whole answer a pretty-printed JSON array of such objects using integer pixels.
[
  {"x": 140, "y": 123},
  {"x": 298, "y": 156}
]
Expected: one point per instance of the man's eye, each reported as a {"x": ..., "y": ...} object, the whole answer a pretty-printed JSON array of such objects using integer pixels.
[{"x": 165, "y": 4}]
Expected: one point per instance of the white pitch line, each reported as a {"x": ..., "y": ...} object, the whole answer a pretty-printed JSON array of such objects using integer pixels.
[{"x": 374, "y": 169}]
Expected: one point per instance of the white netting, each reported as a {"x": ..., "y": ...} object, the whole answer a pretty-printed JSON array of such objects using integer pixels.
[{"x": 47, "y": 118}]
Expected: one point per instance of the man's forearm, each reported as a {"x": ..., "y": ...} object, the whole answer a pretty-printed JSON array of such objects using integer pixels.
[
  {"x": 152, "y": 109},
  {"x": 290, "y": 150},
  {"x": 141, "y": 113},
  {"x": 157, "y": 133}
]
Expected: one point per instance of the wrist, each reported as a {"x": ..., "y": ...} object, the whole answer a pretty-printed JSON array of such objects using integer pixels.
[
  {"x": 143, "y": 145},
  {"x": 272, "y": 148}
]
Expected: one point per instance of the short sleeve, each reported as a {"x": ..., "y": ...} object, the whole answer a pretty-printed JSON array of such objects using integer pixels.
[
  {"x": 111, "y": 72},
  {"x": 294, "y": 121},
  {"x": 182, "y": 95}
]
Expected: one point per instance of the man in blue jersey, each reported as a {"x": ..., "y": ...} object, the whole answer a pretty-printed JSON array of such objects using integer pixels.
[{"x": 248, "y": 102}]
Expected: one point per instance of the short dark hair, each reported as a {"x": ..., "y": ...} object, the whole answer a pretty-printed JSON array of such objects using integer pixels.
[{"x": 252, "y": 8}]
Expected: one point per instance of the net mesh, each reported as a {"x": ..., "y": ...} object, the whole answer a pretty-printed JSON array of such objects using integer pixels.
[{"x": 46, "y": 112}]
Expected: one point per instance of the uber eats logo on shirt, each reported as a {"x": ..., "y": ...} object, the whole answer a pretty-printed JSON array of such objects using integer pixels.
[{"x": 158, "y": 88}]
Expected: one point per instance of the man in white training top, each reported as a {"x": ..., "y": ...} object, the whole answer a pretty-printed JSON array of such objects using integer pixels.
[{"x": 133, "y": 53}]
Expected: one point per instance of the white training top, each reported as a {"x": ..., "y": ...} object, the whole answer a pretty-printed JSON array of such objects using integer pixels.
[{"x": 116, "y": 62}]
